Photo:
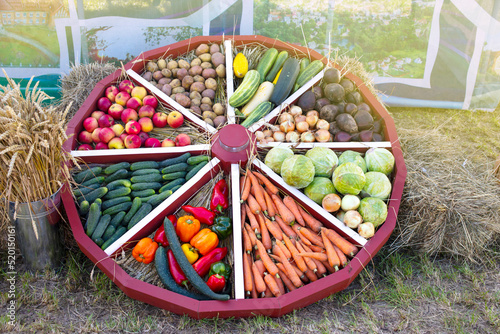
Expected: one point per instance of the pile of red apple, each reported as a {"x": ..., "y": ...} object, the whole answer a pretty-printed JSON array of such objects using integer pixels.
[{"x": 125, "y": 116}]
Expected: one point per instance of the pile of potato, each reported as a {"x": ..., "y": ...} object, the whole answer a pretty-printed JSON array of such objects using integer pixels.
[{"x": 192, "y": 84}]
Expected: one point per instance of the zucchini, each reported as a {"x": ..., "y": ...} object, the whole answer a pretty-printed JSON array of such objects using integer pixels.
[
  {"x": 146, "y": 178},
  {"x": 286, "y": 81},
  {"x": 180, "y": 167},
  {"x": 278, "y": 64},
  {"x": 117, "y": 208},
  {"x": 114, "y": 201},
  {"x": 97, "y": 179},
  {"x": 143, "y": 193},
  {"x": 136, "y": 204},
  {"x": 266, "y": 62},
  {"x": 119, "y": 174},
  {"x": 146, "y": 185},
  {"x": 246, "y": 89},
  {"x": 143, "y": 211},
  {"x": 101, "y": 226},
  {"x": 262, "y": 110},
  {"x": 173, "y": 176},
  {"x": 84, "y": 208},
  {"x": 84, "y": 190},
  {"x": 191, "y": 274},
  {"x": 163, "y": 270},
  {"x": 304, "y": 62},
  {"x": 118, "y": 183},
  {"x": 113, "y": 168},
  {"x": 308, "y": 73},
  {"x": 87, "y": 174},
  {"x": 197, "y": 159},
  {"x": 95, "y": 194},
  {"x": 146, "y": 171},
  {"x": 144, "y": 165},
  {"x": 119, "y": 192},
  {"x": 176, "y": 160},
  {"x": 195, "y": 170},
  {"x": 177, "y": 182},
  {"x": 110, "y": 230},
  {"x": 93, "y": 218},
  {"x": 117, "y": 219},
  {"x": 118, "y": 233},
  {"x": 156, "y": 200},
  {"x": 263, "y": 94}
]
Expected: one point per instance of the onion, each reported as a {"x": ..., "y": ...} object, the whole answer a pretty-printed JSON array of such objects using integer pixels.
[
  {"x": 285, "y": 117},
  {"x": 350, "y": 202},
  {"x": 287, "y": 126},
  {"x": 259, "y": 135},
  {"x": 352, "y": 218},
  {"x": 292, "y": 137},
  {"x": 322, "y": 136},
  {"x": 279, "y": 136},
  {"x": 302, "y": 126},
  {"x": 323, "y": 124},
  {"x": 366, "y": 230},
  {"x": 340, "y": 215},
  {"x": 300, "y": 118},
  {"x": 295, "y": 111},
  {"x": 331, "y": 202},
  {"x": 312, "y": 120},
  {"x": 312, "y": 112},
  {"x": 268, "y": 133},
  {"x": 307, "y": 137}
]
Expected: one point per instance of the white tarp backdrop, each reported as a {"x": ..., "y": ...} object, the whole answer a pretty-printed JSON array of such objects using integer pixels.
[{"x": 433, "y": 53}]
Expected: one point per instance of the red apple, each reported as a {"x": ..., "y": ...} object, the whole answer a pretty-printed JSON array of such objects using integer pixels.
[
  {"x": 152, "y": 142},
  {"x": 106, "y": 121},
  {"x": 122, "y": 98},
  {"x": 103, "y": 104},
  {"x": 144, "y": 136},
  {"x": 134, "y": 103},
  {"x": 106, "y": 134},
  {"x": 167, "y": 143},
  {"x": 159, "y": 119},
  {"x": 85, "y": 137},
  {"x": 85, "y": 147},
  {"x": 139, "y": 92},
  {"x": 126, "y": 86},
  {"x": 101, "y": 146},
  {"x": 95, "y": 135},
  {"x": 132, "y": 128},
  {"x": 175, "y": 119},
  {"x": 150, "y": 100},
  {"x": 146, "y": 111},
  {"x": 115, "y": 110},
  {"x": 123, "y": 135},
  {"x": 116, "y": 143},
  {"x": 182, "y": 139},
  {"x": 146, "y": 124},
  {"x": 90, "y": 124},
  {"x": 129, "y": 115},
  {"x": 97, "y": 114},
  {"x": 132, "y": 141},
  {"x": 117, "y": 129},
  {"x": 111, "y": 92}
]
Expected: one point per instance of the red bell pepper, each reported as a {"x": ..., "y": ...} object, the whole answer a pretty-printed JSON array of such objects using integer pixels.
[
  {"x": 216, "y": 282},
  {"x": 160, "y": 236},
  {"x": 204, "y": 215},
  {"x": 176, "y": 270},
  {"x": 202, "y": 266},
  {"x": 220, "y": 197}
]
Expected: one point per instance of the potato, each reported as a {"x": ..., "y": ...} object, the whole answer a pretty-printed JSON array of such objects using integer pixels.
[
  {"x": 151, "y": 66},
  {"x": 218, "y": 59},
  {"x": 167, "y": 89},
  {"x": 206, "y": 107},
  {"x": 195, "y": 102},
  {"x": 202, "y": 48},
  {"x": 206, "y": 64},
  {"x": 206, "y": 57},
  {"x": 219, "y": 109},
  {"x": 162, "y": 63},
  {"x": 209, "y": 121},
  {"x": 208, "y": 114},
  {"x": 178, "y": 90},
  {"x": 197, "y": 86},
  {"x": 148, "y": 76},
  {"x": 172, "y": 64},
  {"x": 195, "y": 95},
  {"x": 210, "y": 93},
  {"x": 181, "y": 73},
  {"x": 195, "y": 70},
  {"x": 158, "y": 85},
  {"x": 196, "y": 110},
  {"x": 329, "y": 112},
  {"x": 166, "y": 73},
  {"x": 207, "y": 100},
  {"x": 175, "y": 83},
  {"x": 157, "y": 75},
  {"x": 184, "y": 64},
  {"x": 183, "y": 100},
  {"x": 346, "y": 123},
  {"x": 174, "y": 72},
  {"x": 164, "y": 81},
  {"x": 221, "y": 71},
  {"x": 214, "y": 48},
  {"x": 196, "y": 62},
  {"x": 307, "y": 101},
  {"x": 199, "y": 78},
  {"x": 209, "y": 73},
  {"x": 219, "y": 120},
  {"x": 187, "y": 81},
  {"x": 211, "y": 83},
  {"x": 364, "y": 120}
]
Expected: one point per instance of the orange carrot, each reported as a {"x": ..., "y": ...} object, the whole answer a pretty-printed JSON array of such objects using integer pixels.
[
  {"x": 285, "y": 228},
  {"x": 342, "y": 257},
  {"x": 317, "y": 256},
  {"x": 293, "y": 207},
  {"x": 272, "y": 285},
  {"x": 311, "y": 236},
  {"x": 301, "y": 275},
  {"x": 260, "y": 267},
  {"x": 245, "y": 191},
  {"x": 332, "y": 256},
  {"x": 309, "y": 262},
  {"x": 243, "y": 214},
  {"x": 253, "y": 221},
  {"x": 268, "y": 263},
  {"x": 300, "y": 236},
  {"x": 311, "y": 276},
  {"x": 280, "y": 284},
  {"x": 259, "y": 192},
  {"x": 321, "y": 268},
  {"x": 247, "y": 274},
  {"x": 275, "y": 231},
  {"x": 265, "y": 236},
  {"x": 260, "y": 285},
  {"x": 271, "y": 209},
  {"x": 284, "y": 212},
  {"x": 275, "y": 257},
  {"x": 251, "y": 235},
  {"x": 345, "y": 246},
  {"x": 312, "y": 222},
  {"x": 283, "y": 248},
  {"x": 288, "y": 283},
  {"x": 269, "y": 185},
  {"x": 253, "y": 204},
  {"x": 317, "y": 249},
  {"x": 247, "y": 244},
  {"x": 295, "y": 254},
  {"x": 328, "y": 267},
  {"x": 253, "y": 293},
  {"x": 287, "y": 268}
]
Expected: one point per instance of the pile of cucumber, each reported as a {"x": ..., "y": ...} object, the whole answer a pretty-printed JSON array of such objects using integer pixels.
[{"x": 112, "y": 199}]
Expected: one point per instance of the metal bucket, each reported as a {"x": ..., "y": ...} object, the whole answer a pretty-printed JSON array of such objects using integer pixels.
[{"x": 37, "y": 231}]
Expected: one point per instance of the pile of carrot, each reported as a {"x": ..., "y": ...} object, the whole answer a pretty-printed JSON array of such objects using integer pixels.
[{"x": 284, "y": 246}]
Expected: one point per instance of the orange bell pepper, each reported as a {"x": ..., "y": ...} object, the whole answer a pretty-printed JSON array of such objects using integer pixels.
[
  {"x": 145, "y": 250},
  {"x": 205, "y": 241},
  {"x": 187, "y": 227}
]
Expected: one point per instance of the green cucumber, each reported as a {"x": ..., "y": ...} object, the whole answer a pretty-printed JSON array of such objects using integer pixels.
[
  {"x": 262, "y": 110},
  {"x": 119, "y": 174},
  {"x": 93, "y": 218},
  {"x": 176, "y": 187},
  {"x": 136, "y": 204},
  {"x": 84, "y": 208},
  {"x": 173, "y": 176},
  {"x": 156, "y": 200},
  {"x": 147, "y": 198},
  {"x": 97, "y": 179},
  {"x": 180, "y": 167},
  {"x": 196, "y": 281},
  {"x": 308, "y": 73},
  {"x": 117, "y": 208},
  {"x": 101, "y": 226},
  {"x": 197, "y": 159},
  {"x": 143, "y": 211},
  {"x": 171, "y": 184},
  {"x": 118, "y": 233},
  {"x": 98, "y": 241},
  {"x": 286, "y": 81},
  {"x": 304, "y": 62},
  {"x": 143, "y": 193},
  {"x": 176, "y": 160},
  {"x": 195, "y": 170},
  {"x": 146, "y": 178},
  {"x": 146, "y": 185},
  {"x": 117, "y": 219},
  {"x": 87, "y": 174},
  {"x": 246, "y": 89},
  {"x": 146, "y": 171},
  {"x": 81, "y": 191},
  {"x": 144, "y": 165},
  {"x": 109, "y": 232},
  {"x": 95, "y": 194},
  {"x": 114, "y": 201},
  {"x": 278, "y": 64},
  {"x": 118, "y": 183},
  {"x": 266, "y": 62},
  {"x": 113, "y": 168},
  {"x": 119, "y": 192}
]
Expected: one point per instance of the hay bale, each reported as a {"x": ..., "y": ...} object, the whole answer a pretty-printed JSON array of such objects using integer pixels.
[
  {"x": 449, "y": 205},
  {"x": 77, "y": 85}
]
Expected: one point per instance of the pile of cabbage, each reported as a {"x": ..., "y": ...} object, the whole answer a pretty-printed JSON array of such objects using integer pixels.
[{"x": 360, "y": 184}]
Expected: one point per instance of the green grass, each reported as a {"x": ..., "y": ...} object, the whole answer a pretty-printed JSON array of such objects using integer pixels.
[
  {"x": 43, "y": 35},
  {"x": 22, "y": 53}
]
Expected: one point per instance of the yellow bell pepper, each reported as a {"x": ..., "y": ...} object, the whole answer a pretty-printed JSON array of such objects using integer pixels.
[{"x": 190, "y": 252}]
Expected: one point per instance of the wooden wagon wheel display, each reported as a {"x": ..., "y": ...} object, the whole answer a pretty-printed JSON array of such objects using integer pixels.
[{"x": 135, "y": 189}]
